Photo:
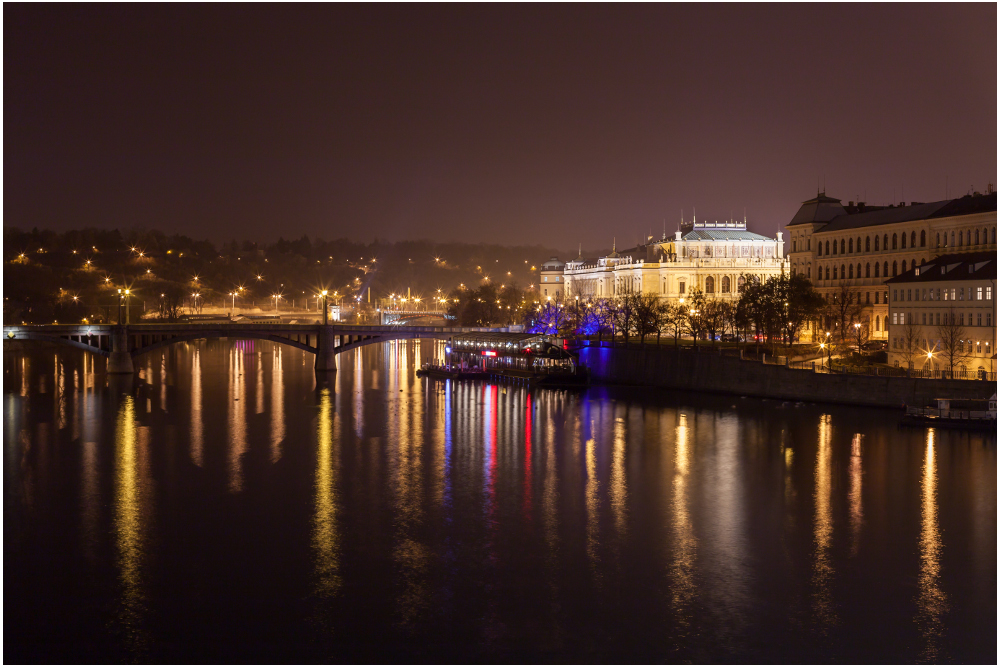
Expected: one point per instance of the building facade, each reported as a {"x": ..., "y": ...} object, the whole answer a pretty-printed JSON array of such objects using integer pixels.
[
  {"x": 716, "y": 258},
  {"x": 943, "y": 313},
  {"x": 848, "y": 252}
]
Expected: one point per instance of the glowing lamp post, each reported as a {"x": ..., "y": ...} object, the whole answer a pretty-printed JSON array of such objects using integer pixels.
[{"x": 326, "y": 311}]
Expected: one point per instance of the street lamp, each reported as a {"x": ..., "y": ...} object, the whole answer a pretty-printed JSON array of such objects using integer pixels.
[
  {"x": 326, "y": 311},
  {"x": 275, "y": 297}
]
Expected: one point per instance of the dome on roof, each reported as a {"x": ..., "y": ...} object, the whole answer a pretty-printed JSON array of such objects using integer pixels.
[
  {"x": 553, "y": 265},
  {"x": 819, "y": 209}
]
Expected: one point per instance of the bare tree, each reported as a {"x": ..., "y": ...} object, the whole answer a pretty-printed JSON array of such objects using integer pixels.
[
  {"x": 952, "y": 337},
  {"x": 862, "y": 332},
  {"x": 646, "y": 307},
  {"x": 844, "y": 310},
  {"x": 910, "y": 341}
]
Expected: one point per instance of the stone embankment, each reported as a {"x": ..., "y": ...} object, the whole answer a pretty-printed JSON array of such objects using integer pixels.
[{"x": 671, "y": 368}]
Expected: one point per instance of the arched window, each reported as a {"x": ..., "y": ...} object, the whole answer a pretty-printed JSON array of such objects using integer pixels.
[
  {"x": 885, "y": 242},
  {"x": 841, "y": 246},
  {"x": 960, "y": 237},
  {"x": 953, "y": 238},
  {"x": 868, "y": 244},
  {"x": 885, "y": 269},
  {"x": 859, "y": 269},
  {"x": 868, "y": 270},
  {"x": 904, "y": 266},
  {"x": 843, "y": 272},
  {"x": 725, "y": 284},
  {"x": 741, "y": 282},
  {"x": 977, "y": 237},
  {"x": 859, "y": 244},
  {"x": 876, "y": 323},
  {"x": 710, "y": 285},
  {"x": 834, "y": 247},
  {"x": 827, "y": 248},
  {"x": 902, "y": 240},
  {"x": 876, "y": 244},
  {"x": 850, "y": 246},
  {"x": 835, "y": 272},
  {"x": 851, "y": 272},
  {"x": 876, "y": 269},
  {"x": 913, "y": 239},
  {"x": 894, "y": 269},
  {"x": 894, "y": 243},
  {"x": 923, "y": 238},
  {"x": 828, "y": 273},
  {"x": 809, "y": 272}
]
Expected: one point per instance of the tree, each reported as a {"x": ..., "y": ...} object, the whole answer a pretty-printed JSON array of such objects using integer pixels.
[
  {"x": 623, "y": 314},
  {"x": 646, "y": 317},
  {"x": 862, "y": 332},
  {"x": 844, "y": 310},
  {"x": 713, "y": 317},
  {"x": 695, "y": 313},
  {"x": 910, "y": 341},
  {"x": 952, "y": 340}
]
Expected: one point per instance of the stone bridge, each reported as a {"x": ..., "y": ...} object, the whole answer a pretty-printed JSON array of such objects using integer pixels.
[{"x": 122, "y": 343}]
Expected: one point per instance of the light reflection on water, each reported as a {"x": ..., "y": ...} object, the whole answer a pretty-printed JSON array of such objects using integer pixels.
[{"x": 464, "y": 521}]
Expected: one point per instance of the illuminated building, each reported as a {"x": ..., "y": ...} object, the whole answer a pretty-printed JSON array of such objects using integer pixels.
[
  {"x": 854, "y": 249},
  {"x": 717, "y": 258}
]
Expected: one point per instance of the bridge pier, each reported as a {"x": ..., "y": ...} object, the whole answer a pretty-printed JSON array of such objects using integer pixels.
[
  {"x": 326, "y": 343},
  {"x": 120, "y": 361}
]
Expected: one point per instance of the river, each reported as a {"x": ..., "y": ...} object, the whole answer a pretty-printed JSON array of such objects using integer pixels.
[{"x": 226, "y": 506}]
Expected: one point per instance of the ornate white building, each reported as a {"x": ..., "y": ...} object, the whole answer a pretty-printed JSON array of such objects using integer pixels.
[{"x": 717, "y": 258}]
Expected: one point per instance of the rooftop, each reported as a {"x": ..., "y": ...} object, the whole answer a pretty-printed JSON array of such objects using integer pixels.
[
  {"x": 963, "y": 266},
  {"x": 823, "y": 209}
]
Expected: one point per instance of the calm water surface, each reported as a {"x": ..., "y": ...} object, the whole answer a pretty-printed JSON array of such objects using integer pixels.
[{"x": 227, "y": 506}]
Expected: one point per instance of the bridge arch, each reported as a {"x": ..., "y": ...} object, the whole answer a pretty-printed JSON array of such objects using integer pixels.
[
  {"x": 60, "y": 340},
  {"x": 184, "y": 338}
]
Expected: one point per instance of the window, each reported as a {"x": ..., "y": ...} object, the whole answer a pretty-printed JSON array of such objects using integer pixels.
[
  {"x": 904, "y": 266},
  {"x": 876, "y": 298},
  {"x": 681, "y": 286},
  {"x": 876, "y": 269},
  {"x": 859, "y": 244},
  {"x": 851, "y": 272},
  {"x": 876, "y": 244},
  {"x": 977, "y": 237},
  {"x": 909, "y": 295},
  {"x": 924, "y": 319},
  {"x": 946, "y": 295},
  {"x": 979, "y": 294},
  {"x": 725, "y": 284},
  {"x": 913, "y": 239},
  {"x": 952, "y": 293},
  {"x": 961, "y": 294},
  {"x": 868, "y": 270},
  {"x": 961, "y": 319},
  {"x": 850, "y": 246},
  {"x": 989, "y": 293},
  {"x": 894, "y": 269},
  {"x": 827, "y": 272},
  {"x": 923, "y": 238},
  {"x": 894, "y": 319},
  {"x": 710, "y": 285},
  {"x": 859, "y": 270},
  {"x": 835, "y": 273},
  {"x": 989, "y": 322},
  {"x": 895, "y": 295},
  {"x": 894, "y": 242},
  {"x": 938, "y": 240},
  {"x": 868, "y": 243},
  {"x": 841, "y": 246},
  {"x": 953, "y": 238},
  {"x": 960, "y": 237},
  {"x": 979, "y": 319},
  {"x": 876, "y": 323},
  {"x": 809, "y": 272},
  {"x": 937, "y": 318},
  {"x": 902, "y": 241}
]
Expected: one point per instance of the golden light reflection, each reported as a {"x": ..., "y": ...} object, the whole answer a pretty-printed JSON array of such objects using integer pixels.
[
  {"x": 619, "y": 485},
  {"x": 932, "y": 603},
  {"x": 823, "y": 530},
  {"x": 129, "y": 517},
  {"x": 277, "y": 404},
  {"x": 326, "y": 540},
  {"x": 237, "y": 420},
  {"x": 590, "y": 496},
  {"x": 197, "y": 425},
  {"x": 854, "y": 496},
  {"x": 89, "y": 500},
  {"x": 682, "y": 531},
  {"x": 258, "y": 393}
]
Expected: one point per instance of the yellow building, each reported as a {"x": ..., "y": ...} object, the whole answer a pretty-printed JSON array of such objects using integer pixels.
[
  {"x": 717, "y": 258},
  {"x": 850, "y": 251},
  {"x": 944, "y": 313}
]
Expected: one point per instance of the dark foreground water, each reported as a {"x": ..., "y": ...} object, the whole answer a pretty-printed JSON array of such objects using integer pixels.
[{"x": 225, "y": 506}]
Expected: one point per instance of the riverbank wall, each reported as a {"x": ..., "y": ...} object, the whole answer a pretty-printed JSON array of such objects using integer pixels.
[{"x": 670, "y": 368}]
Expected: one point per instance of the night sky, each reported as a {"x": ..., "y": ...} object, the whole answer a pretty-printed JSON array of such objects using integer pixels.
[{"x": 515, "y": 124}]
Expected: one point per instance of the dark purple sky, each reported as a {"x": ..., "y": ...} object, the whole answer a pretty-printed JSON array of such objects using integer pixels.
[{"x": 513, "y": 124}]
